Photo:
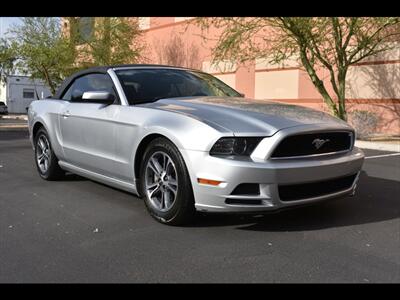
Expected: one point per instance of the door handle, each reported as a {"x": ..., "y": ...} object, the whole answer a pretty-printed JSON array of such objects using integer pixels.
[{"x": 66, "y": 114}]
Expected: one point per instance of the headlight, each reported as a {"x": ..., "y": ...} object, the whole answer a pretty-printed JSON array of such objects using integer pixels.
[{"x": 228, "y": 146}]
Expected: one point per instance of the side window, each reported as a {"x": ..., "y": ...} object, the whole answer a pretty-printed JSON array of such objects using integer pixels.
[
  {"x": 67, "y": 95},
  {"x": 92, "y": 83}
]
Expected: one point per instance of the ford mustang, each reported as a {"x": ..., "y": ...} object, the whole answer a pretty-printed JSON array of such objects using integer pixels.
[{"x": 184, "y": 141}]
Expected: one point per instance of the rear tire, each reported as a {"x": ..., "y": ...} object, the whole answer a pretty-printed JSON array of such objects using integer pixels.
[
  {"x": 45, "y": 158},
  {"x": 165, "y": 184}
]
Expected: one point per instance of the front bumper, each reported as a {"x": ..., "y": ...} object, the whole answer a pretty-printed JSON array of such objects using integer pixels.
[{"x": 268, "y": 174}]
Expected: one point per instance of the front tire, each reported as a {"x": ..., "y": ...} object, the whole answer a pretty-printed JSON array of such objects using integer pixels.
[
  {"x": 165, "y": 184},
  {"x": 45, "y": 158}
]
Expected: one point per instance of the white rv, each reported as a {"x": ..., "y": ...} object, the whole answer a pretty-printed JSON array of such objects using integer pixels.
[{"x": 19, "y": 91}]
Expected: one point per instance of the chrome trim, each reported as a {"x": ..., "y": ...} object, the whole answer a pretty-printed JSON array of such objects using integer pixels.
[
  {"x": 309, "y": 156},
  {"x": 351, "y": 133}
]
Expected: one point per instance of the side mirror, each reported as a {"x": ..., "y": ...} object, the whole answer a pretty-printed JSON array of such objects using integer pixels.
[{"x": 98, "y": 97}]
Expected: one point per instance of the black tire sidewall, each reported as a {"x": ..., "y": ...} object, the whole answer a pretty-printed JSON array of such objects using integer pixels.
[{"x": 183, "y": 203}]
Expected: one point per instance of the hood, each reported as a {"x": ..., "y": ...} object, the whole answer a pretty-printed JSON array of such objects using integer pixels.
[{"x": 245, "y": 116}]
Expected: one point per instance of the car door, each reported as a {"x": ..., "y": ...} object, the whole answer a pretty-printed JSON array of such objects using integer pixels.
[{"x": 88, "y": 128}]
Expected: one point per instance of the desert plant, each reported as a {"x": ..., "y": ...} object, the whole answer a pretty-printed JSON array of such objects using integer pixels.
[{"x": 364, "y": 122}]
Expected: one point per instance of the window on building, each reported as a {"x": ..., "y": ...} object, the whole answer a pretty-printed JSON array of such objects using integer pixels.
[{"x": 28, "y": 93}]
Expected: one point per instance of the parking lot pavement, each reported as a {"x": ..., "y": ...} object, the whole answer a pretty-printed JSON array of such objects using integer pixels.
[
  {"x": 13, "y": 124},
  {"x": 77, "y": 230}
]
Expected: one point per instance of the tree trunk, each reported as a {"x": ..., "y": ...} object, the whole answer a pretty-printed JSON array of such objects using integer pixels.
[
  {"x": 48, "y": 81},
  {"x": 107, "y": 40},
  {"x": 342, "y": 95}
]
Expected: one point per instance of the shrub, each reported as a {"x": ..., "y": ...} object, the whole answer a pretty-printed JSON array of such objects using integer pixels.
[{"x": 364, "y": 122}]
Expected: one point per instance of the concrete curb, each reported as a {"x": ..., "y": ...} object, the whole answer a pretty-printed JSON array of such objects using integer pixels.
[
  {"x": 393, "y": 147},
  {"x": 11, "y": 117}
]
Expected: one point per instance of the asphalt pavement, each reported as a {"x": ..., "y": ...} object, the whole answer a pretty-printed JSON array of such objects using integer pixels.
[{"x": 77, "y": 230}]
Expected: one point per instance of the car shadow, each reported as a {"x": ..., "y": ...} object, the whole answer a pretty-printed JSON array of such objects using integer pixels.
[
  {"x": 73, "y": 177},
  {"x": 376, "y": 200}
]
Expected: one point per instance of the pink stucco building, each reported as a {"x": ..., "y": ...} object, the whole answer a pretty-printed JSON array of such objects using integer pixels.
[{"x": 373, "y": 87}]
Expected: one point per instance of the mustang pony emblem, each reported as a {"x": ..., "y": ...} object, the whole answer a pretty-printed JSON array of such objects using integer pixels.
[{"x": 319, "y": 142}]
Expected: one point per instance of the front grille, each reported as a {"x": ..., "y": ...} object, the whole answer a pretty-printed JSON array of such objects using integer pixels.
[
  {"x": 313, "y": 144},
  {"x": 315, "y": 189}
]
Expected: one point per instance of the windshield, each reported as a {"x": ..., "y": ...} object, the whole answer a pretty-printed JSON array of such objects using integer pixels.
[{"x": 147, "y": 85}]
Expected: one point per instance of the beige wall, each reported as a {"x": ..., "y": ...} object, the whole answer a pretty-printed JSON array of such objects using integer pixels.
[
  {"x": 229, "y": 79},
  {"x": 282, "y": 84},
  {"x": 374, "y": 81}
]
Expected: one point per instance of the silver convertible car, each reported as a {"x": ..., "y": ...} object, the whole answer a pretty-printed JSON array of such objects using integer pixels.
[{"x": 186, "y": 142}]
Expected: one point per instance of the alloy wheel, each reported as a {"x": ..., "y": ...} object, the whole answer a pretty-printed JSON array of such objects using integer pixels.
[
  {"x": 161, "y": 181},
  {"x": 43, "y": 153}
]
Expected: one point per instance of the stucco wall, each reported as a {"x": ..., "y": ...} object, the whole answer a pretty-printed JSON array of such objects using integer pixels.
[{"x": 373, "y": 81}]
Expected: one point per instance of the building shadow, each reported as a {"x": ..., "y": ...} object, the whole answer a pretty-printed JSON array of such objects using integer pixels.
[
  {"x": 384, "y": 82},
  {"x": 376, "y": 200}
]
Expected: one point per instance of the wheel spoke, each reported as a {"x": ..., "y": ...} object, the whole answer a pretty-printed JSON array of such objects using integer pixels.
[
  {"x": 155, "y": 190},
  {"x": 155, "y": 166},
  {"x": 173, "y": 182},
  {"x": 162, "y": 200},
  {"x": 172, "y": 188},
  {"x": 152, "y": 185},
  {"x": 167, "y": 162},
  {"x": 167, "y": 199},
  {"x": 41, "y": 144},
  {"x": 46, "y": 164}
]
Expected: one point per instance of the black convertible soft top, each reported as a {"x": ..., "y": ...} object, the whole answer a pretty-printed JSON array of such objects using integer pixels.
[
  {"x": 71, "y": 78},
  {"x": 103, "y": 70}
]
